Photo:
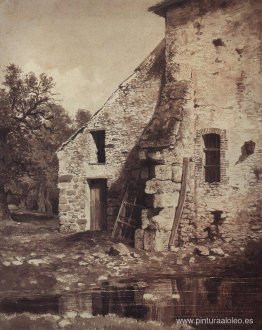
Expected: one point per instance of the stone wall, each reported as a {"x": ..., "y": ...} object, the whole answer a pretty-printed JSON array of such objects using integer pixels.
[
  {"x": 213, "y": 85},
  {"x": 225, "y": 66},
  {"x": 123, "y": 117},
  {"x": 207, "y": 80}
]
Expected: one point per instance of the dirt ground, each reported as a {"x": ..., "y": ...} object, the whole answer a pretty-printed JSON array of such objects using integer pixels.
[{"x": 36, "y": 259}]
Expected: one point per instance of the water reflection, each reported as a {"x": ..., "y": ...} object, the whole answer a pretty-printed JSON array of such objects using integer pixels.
[
  {"x": 37, "y": 305},
  {"x": 162, "y": 300}
]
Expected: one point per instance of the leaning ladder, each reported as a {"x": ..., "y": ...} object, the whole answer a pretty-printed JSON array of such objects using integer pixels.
[
  {"x": 125, "y": 224},
  {"x": 181, "y": 202}
]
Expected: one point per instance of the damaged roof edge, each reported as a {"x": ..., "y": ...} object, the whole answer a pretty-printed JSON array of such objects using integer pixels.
[
  {"x": 156, "y": 51},
  {"x": 160, "y": 8},
  {"x": 159, "y": 48}
]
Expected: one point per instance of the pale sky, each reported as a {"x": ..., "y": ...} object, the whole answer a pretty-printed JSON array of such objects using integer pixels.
[{"x": 88, "y": 46}]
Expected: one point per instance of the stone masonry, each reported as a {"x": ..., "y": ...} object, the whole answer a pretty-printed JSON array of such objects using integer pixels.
[
  {"x": 203, "y": 79},
  {"x": 123, "y": 117}
]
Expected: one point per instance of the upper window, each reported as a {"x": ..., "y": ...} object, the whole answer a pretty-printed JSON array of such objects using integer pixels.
[
  {"x": 99, "y": 139},
  {"x": 212, "y": 157}
]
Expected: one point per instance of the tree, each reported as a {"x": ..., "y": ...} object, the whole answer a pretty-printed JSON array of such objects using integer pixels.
[
  {"x": 82, "y": 117},
  {"x": 36, "y": 187},
  {"x": 27, "y": 108},
  {"x": 44, "y": 169}
]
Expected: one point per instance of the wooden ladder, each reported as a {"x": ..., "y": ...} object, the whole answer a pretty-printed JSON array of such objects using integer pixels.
[
  {"x": 125, "y": 224},
  {"x": 181, "y": 202}
]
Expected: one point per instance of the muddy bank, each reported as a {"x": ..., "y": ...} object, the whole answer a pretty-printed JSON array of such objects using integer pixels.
[
  {"x": 35, "y": 257},
  {"x": 78, "y": 277}
]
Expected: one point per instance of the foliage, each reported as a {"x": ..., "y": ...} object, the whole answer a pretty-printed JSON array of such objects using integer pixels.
[
  {"x": 82, "y": 117},
  {"x": 26, "y": 107},
  {"x": 45, "y": 169},
  {"x": 32, "y": 127}
]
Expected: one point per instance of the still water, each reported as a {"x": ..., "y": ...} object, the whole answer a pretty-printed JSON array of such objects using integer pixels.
[{"x": 160, "y": 299}]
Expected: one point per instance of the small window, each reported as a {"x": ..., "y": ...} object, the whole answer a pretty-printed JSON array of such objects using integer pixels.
[
  {"x": 217, "y": 217},
  {"x": 212, "y": 157},
  {"x": 99, "y": 139}
]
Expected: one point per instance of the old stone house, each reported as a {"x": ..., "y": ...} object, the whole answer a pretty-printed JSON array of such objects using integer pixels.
[{"x": 174, "y": 155}]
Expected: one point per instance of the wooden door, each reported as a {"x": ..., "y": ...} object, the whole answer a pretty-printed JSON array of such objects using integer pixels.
[{"x": 98, "y": 197}]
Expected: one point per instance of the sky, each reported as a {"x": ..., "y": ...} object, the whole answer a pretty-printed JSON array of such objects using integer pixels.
[{"x": 88, "y": 46}]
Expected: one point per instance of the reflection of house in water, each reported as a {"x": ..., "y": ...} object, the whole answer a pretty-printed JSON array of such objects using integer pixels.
[
  {"x": 161, "y": 300},
  {"x": 79, "y": 302},
  {"x": 183, "y": 133},
  {"x": 164, "y": 300},
  {"x": 158, "y": 297}
]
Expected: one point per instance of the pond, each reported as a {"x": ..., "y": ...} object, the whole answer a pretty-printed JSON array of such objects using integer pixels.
[{"x": 161, "y": 299}]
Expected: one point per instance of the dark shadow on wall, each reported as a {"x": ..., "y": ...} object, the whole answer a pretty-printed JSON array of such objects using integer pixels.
[
  {"x": 247, "y": 149},
  {"x": 168, "y": 113},
  {"x": 156, "y": 136},
  {"x": 130, "y": 173},
  {"x": 135, "y": 173}
]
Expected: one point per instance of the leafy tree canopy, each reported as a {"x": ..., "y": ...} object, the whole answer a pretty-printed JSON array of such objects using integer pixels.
[
  {"x": 82, "y": 117},
  {"x": 32, "y": 126}
]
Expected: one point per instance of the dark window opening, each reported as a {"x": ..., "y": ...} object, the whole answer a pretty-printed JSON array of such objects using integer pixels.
[
  {"x": 213, "y": 229},
  {"x": 99, "y": 139},
  {"x": 217, "y": 217},
  {"x": 212, "y": 157},
  {"x": 218, "y": 43}
]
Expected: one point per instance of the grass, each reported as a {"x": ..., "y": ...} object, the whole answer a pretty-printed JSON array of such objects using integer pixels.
[{"x": 50, "y": 322}]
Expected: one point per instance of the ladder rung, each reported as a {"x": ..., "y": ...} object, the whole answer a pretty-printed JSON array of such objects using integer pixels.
[
  {"x": 126, "y": 223},
  {"x": 129, "y": 194},
  {"x": 128, "y": 219},
  {"x": 135, "y": 205}
]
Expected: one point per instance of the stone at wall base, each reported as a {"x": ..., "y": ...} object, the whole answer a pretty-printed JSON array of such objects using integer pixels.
[
  {"x": 118, "y": 249},
  {"x": 202, "y": 251},
  {"x": 173, "y": 248},
  {"x": 218, "y": 252},
  {"x": 139, "y": 239},
  {"x": 156, "y": 240}
]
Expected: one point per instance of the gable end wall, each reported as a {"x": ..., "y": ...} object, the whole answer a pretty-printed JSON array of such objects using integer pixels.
[{"x": 123, "y": 117}]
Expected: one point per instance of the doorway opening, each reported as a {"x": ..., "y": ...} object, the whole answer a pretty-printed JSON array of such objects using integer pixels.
[{"x": 98, "y": 204}]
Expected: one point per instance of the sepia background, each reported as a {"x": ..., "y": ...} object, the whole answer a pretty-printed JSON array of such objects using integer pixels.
[{"x": 88, "y": 47}]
